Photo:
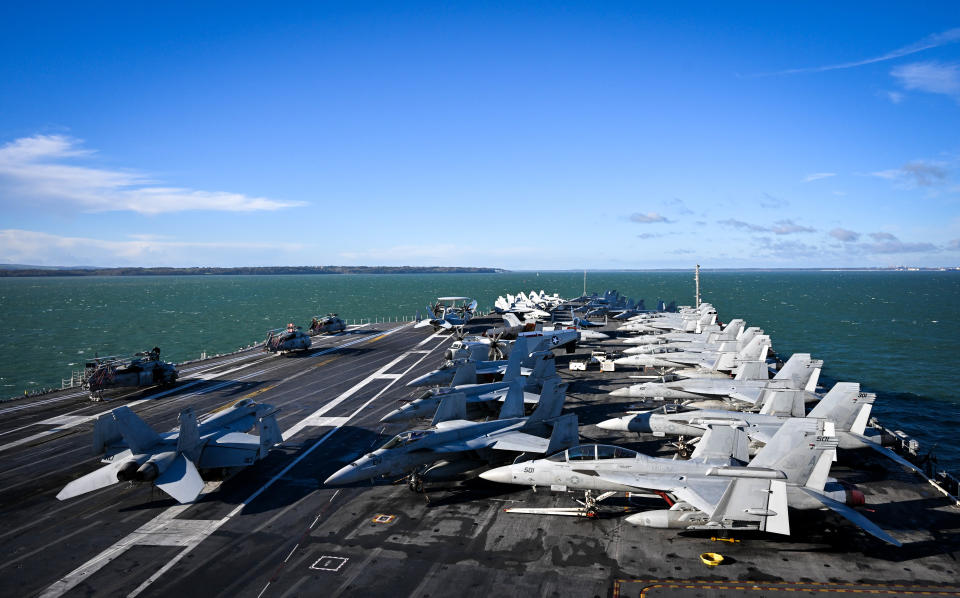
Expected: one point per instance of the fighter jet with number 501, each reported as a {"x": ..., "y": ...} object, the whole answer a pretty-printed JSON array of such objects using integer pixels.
[{"x": 790, "y": 471}]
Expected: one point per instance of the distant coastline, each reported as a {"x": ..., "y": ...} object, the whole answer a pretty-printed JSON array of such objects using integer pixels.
[{"x": 25, "y": 271}]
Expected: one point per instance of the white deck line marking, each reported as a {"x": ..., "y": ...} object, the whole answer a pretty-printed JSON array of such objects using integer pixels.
[
  {"x": 263, "y": 590},
  {"x": 72, "y": 579},
  {"x": 63, "y": 423},
  {"x": 294, "y": 549},
  {"x": 388, "y": 376},
  {"x": 176, "y": 558}
]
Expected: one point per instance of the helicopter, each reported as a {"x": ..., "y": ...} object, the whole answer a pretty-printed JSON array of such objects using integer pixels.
[{"x": 143, "y": 369}]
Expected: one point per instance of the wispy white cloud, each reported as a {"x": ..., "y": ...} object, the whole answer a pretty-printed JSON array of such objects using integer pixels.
[
  {"x": 885, "y": 242},
  {"x": 817, "y": 176},
  {"x": 842, "y": 234},
  {"x": 780, "y": 227},
  {"x": 954, "y": 245},
  {"x": 935, "y": 40},
  {"x": 894, "y": 96},
  {"x": 45, "y": 249},
  {"x": 42, "y": 168},
  {"x": 648, "y": 218},
  {"x": 931, "y": 77},
  {"x": 917, "y": 173}
]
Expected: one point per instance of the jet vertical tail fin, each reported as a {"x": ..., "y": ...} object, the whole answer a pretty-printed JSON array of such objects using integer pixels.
[
  {"x": 843, "y": 405},
  {"x": 564, "y": 434},
  {"x": 453, "y": 406},
  {"x": 136, "y": 433},
  {"x": 798, "y": 370},
  {"x": 188, "y": 440},
  {"x": 518, "y": 353},
  {"x": 552, "y": 396},
  {"x": 795, "y": 449},
  {"x": 544, "y": 366},
  {"x": 269, "y": 432},
  {"x": 784, "y": 403},
  {"x": 511, "y": 320},
  {"x": 513, "y": 403},
  {"x": 752, "y": 370},
  {"x": 106, "y": 432},
  {"x": 466, "y": 374}
]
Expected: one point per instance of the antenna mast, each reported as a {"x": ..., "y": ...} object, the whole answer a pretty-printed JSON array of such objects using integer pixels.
[
  {"x": 584, "y": 282},
  {"x": 696, "y": 280}
]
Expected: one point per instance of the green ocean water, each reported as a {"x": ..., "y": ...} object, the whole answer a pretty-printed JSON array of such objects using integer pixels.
[{"x": 896, "y": 333}]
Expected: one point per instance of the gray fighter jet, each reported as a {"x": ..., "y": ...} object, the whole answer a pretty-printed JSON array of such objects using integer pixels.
[
  {"x": 136, "y": 453},
  {"x": 712, "y": 333},
  {"x": 455, "y": 446},
  {"x": 749, "y": 386},
  {"x": 713, "y": 341},
  {"x": 687, "y": 319},
  {"x": 790, "y": 471},
  {"x": 845, "y": 409},
  {"x": 755, "y": 350}
]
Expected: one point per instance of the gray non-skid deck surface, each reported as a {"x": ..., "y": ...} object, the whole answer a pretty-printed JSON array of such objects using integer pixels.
[{"x": 274, "y": 530}]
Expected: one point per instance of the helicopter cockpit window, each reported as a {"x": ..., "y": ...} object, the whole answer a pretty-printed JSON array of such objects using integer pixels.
[{"x": 583, "y": 452}]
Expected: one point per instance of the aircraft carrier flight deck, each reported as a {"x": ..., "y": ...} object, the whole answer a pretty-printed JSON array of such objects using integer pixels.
[{"x": 275, "y": 530}]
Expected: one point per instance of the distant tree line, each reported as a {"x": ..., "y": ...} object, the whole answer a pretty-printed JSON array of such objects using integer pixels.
[{"x": 246, "y": 270}]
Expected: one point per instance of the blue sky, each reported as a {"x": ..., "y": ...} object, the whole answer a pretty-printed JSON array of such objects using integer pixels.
[{"x": 514, "y": 135}]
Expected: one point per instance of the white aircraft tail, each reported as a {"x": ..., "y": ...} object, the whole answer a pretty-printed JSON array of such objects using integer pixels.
[
  {"x": 106, "y": 432},
  {"x": 784, "y": 403},
  {"x": 136, "y": 433},
  {"x": 800, "y": 370},
  {"x": 188, "y": 439},
  {"x": 752, "y": 370},
  {"x": 511, "y": 320},
  {"x": 844, "y": 406},
  {"x": 795, "y": 449},
  {"x": 269, "y": 432}
]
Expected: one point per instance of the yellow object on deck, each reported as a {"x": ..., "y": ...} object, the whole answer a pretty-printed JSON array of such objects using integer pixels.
[{"x": 711, "y": 559}]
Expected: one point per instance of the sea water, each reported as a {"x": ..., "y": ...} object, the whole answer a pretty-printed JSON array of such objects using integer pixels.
[{"x": 896, "y": 333}]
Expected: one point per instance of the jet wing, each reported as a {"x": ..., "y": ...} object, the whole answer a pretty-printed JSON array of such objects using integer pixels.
[
  {"x": 521, "y": 442},
  {"x": 762, "y": 433},
  {"x": 181, "y": 480},
  {"x": 702, "y": 494},
  {"x": 854, "y": 517},
  {"x": 95, "y": 480},
  {"x": 509, "y": 441}
]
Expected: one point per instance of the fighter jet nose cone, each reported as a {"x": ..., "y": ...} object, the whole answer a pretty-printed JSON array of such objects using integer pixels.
[
  {"x": 343, "y": 476},
  {"x": 623, "y": 361},
  {"x": 390, "y": 417},
  {"x": 501, "y": 475},
  {"x": 613, "y": 424},
  {"x": 621, "y": 392}
]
